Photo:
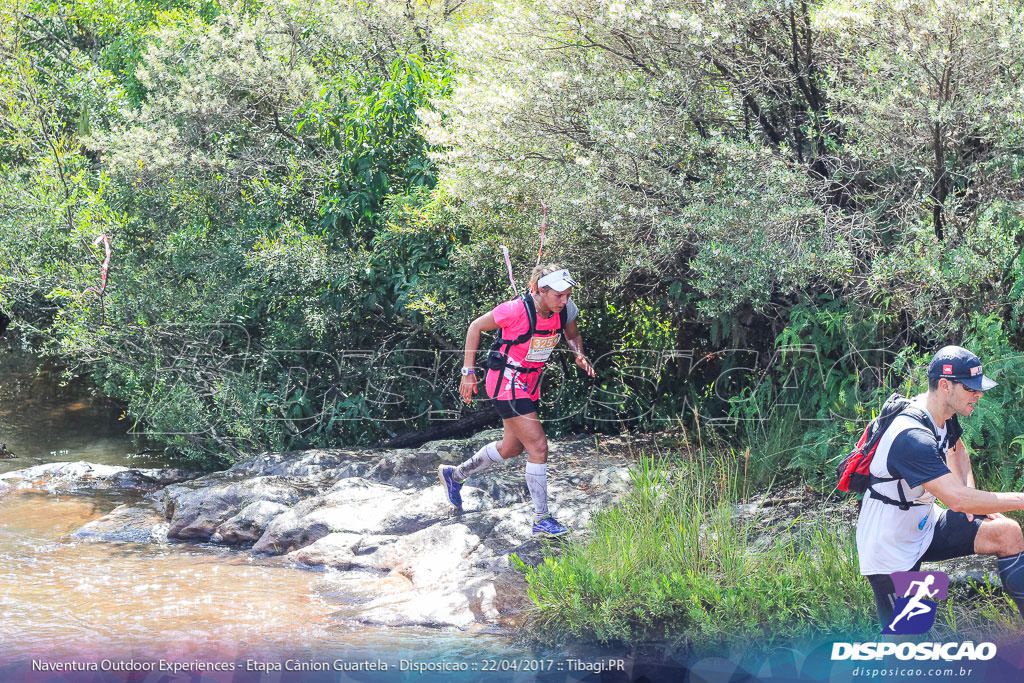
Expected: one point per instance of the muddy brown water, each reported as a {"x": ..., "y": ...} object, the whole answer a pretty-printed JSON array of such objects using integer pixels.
[
  {"x": 64, "y": 598},
  {"x": 41, "y": 421}
]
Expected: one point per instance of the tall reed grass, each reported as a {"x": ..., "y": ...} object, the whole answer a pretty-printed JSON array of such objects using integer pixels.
[{"x": 672, "y": 561}]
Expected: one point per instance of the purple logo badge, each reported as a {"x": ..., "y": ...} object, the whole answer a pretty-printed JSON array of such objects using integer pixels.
[{"x": 914, "y": 612}]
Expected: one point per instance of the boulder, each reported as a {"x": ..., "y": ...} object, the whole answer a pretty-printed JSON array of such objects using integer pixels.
[
  {"x": 197, "y": 508},
  {"x": 343, "y": 551},
  {"x": 249, "y": 524},
  {"x": 352, "y": 505},
  {"x": 453, "y": 574}
]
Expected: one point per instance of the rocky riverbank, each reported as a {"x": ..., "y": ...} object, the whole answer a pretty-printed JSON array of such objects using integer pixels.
[{"x": 377, "y": 514}]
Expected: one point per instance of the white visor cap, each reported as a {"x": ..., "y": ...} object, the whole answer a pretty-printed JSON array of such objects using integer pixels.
[{"x": 560, "y": 280}]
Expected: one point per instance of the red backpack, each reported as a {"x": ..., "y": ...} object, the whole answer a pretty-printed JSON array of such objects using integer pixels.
[{"x": 854, "y": 472}]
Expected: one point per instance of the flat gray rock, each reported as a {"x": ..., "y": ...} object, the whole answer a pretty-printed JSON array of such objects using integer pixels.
[
  {"x": 139, "y": 523},
  {"x": 82, "y": 477}
]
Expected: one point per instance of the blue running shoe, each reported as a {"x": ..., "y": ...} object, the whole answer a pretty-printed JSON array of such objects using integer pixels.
[
  {"x": 549, "y": 526},
  {"x": 446, "y": 474}
]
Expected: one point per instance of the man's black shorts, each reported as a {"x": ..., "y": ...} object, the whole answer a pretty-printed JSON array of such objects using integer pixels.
[
  {"x": 954, "y": 537},
  {"x": 515, "y": 408}
]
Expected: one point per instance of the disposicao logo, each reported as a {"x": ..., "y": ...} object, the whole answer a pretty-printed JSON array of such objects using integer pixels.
[
  {"x": 946, "y": 652},
  {"x": 914, "y": 613}
]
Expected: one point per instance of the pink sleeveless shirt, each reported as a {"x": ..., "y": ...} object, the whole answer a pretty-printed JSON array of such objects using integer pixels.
[{"x": 513, "y": 319}]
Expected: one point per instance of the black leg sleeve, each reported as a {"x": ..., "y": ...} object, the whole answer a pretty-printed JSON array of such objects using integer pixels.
[{"x": 885, "y": 597}]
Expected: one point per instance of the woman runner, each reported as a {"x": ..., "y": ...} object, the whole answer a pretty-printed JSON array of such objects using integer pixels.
[{"x": 513, "y": 381}]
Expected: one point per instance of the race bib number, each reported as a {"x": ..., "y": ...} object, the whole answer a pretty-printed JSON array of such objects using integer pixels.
[{"x": 541, "y": 348}]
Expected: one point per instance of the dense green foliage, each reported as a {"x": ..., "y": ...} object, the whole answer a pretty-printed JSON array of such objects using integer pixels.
[
  {"x": 306, "y": 203},
  {"x": 803, "y": 413},
  {"x": 240, "y": 160}
]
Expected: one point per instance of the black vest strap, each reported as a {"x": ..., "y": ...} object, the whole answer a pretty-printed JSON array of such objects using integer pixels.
[{"x": 903, "y": 504}]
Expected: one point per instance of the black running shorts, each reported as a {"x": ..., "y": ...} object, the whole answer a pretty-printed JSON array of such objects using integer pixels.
[
  {"x": 954, "y": 537},
  {"x": 515, "y": 408}
]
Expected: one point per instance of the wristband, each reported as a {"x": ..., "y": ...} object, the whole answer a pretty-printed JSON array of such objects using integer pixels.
[{"x": 468, "y": 371}]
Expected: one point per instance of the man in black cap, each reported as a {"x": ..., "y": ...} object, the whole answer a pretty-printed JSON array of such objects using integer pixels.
[{"x": 920, "y": 459}]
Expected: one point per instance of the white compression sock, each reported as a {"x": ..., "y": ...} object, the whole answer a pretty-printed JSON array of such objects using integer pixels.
[
  {"x": 481, "y": 460},
  {"x": 537, "y": 482}
]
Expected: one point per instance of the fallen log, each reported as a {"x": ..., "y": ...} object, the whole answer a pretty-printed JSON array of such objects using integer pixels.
[{"x": 463, "y": 427}]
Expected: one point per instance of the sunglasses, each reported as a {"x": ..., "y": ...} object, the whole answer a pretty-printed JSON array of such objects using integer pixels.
[{"x": 967, "y": 388}]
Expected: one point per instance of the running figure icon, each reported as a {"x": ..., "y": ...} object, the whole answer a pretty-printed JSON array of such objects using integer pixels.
[{"x": 915, "y": 606}]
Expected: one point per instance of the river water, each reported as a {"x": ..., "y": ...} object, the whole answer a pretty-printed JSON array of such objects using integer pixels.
[
  {"x": 40, "y": 421},
  {"x": 62, "y": 599}
]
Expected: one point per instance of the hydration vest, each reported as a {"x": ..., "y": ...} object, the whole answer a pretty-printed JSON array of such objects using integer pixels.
[
  {"x": 918, "y": 416},
  {"x": 498, "y": 358},
  {"x": 854, "y": 471}
]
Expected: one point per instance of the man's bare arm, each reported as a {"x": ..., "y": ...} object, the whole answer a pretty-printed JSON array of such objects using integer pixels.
[{"x": 956, "y": 496}]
